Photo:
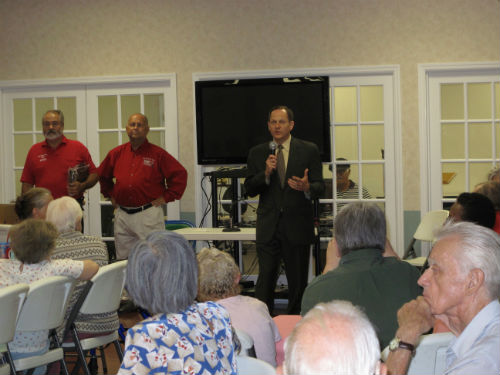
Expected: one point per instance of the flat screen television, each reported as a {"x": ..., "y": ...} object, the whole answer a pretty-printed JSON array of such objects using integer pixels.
[{"x": 231, "y": 115}]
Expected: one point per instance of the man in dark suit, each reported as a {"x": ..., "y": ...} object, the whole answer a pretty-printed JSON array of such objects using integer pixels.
[{"x": 287, "y": 174}]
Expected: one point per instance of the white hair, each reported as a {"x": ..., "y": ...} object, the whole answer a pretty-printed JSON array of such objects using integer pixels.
[
  {"x": 64, "y": 213},
  {"x": 333, "y": 338},
  {"x": 480, "y": 248}
]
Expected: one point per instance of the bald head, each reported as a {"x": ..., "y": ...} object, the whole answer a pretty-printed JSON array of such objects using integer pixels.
[{"x": 333, "y": 338}]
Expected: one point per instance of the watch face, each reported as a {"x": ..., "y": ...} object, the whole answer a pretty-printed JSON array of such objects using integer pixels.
[{"x": 394, "y": 344}]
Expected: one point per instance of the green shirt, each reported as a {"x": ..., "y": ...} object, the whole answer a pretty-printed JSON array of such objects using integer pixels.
[{"x": 378, "y": 284}]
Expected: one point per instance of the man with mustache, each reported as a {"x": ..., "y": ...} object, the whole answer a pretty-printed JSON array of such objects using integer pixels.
[
  {"x": 461, "y": 287},
  {"x": 48, "y": 163}
]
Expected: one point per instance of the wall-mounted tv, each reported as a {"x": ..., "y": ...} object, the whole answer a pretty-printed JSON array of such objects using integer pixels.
[{"x": 231, "y": 115}]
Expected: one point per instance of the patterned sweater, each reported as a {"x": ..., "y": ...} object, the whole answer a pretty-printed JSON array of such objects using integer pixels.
[{"x": 74, "y": 245}]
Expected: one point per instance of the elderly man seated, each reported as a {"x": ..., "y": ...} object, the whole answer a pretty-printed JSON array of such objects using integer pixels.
[
  {"x": 461, "y": 287},
  {"x": 218, "y": 280},
  {"x": 358, "y": 272},
  {"x": 333, "y": 338}
]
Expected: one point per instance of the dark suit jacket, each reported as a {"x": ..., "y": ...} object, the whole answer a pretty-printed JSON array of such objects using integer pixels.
[{"x": 295, "y": 208}]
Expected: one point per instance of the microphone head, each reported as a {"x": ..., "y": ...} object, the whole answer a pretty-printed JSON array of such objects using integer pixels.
[{"x": 272, "y": 147}]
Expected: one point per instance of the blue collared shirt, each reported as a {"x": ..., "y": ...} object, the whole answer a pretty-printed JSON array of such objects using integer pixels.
[{"x": 477, "y": 349}]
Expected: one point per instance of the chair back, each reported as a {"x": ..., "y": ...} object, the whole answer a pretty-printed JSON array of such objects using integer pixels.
[
  {"x": 178, "y": 224},
  {"x": 107, "y": 286},
  {"x": 431, "y": 221},
  {"x": 285, "y": 324},
  {"x": 430, "y": 357},
  {"x": 45, "y": 304},
  {"x": 252, "y": 366},
  {"x": 246, "y": 341},
  {"x": 11, "y": 301}
]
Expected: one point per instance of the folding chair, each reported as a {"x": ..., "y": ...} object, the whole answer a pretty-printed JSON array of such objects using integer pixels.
[
  {"x": 44, "y": 309},
  {"x": 101, "y": 295},
  {"x": 11, "y": 301},
  {"x": 430, "y": 354},
  {"x": 431, "y": 221},
  {"x": 252, "y": 366},
  {"x": 246, "y": 341}
]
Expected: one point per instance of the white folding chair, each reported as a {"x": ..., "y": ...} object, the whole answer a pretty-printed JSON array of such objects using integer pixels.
[
  {"x": 430, "y": 356},
  {"x": 246, "y": 341},
  {"x": 102, "y": 297},
  {"x": 431, "y": 221},
  {"x": 11, "y": 301},
  {"x": 44, "y": 309},
  {"x": 253, "y": 366}
]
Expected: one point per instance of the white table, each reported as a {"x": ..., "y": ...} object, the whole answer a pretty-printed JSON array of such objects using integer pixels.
[{"x": 216, "y": 234}]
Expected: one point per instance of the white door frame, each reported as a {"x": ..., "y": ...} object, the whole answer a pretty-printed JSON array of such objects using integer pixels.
[
  {"x": 393, "y": 71},
  {"x": 85, "y": 84},
  {"x": 430, "y": 197}
]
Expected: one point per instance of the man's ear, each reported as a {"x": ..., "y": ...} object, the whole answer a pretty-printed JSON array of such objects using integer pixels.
[
  {"x": 237, "y": 279},
  {"x": 475, "y": 280},
  {"x": 339, "y": 254}
]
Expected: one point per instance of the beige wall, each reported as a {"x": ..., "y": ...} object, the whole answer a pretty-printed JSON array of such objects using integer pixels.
[{"x": 70, "y": 38}]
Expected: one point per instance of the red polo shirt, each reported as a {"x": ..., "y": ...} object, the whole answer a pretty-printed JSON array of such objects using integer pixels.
[
  {"x": 47, "y": 167},
  {"x": 142, "y": 175}
]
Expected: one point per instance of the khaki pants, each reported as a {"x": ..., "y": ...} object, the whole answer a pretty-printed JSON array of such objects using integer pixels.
[{"x": 129, "y": 228}]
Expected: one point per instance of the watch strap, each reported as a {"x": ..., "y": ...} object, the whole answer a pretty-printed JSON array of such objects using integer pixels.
[{"x": 407, "y": 346}]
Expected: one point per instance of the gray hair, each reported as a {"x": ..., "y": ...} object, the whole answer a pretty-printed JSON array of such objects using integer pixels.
[
  {"x": 217, "y": 275},
  {"x": 162, "y": 273},
  {"x": 495, "y": 172},
  {"x": 33, "y": 240},
  {"x": 333, "y": 338},
  {"x": 491, "y": 189},
  {"x": 479, "y": 248},
  {"x": 64, "y": 213},
  {"x": 57, "y": 112},
  {"x": 360, "y": 225},
  {"x": 36, "y": 197}
]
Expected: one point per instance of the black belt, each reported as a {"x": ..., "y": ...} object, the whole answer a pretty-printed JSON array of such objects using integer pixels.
[{"x": 131, "y": 211}]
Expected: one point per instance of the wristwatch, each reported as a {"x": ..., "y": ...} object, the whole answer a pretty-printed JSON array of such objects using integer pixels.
[{"x": 396, "y": 344}]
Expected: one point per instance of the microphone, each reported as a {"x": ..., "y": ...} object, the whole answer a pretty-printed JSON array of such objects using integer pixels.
[{"x": 272, "y": 147}]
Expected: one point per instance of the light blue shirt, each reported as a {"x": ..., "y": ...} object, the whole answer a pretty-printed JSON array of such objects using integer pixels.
[{"x": 477, "y": 349}]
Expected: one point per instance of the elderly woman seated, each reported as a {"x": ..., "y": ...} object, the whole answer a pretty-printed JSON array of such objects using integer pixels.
[
  {"x": 183, "y": 336},
  {"x": 218, "y": 280},
  {"x": 66, "y": 214},
  {"x": 32, "y": 242},
  {"x": 33, "y": 203}
]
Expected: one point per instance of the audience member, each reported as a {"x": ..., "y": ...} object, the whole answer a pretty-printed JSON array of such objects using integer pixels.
[
  {"x": 347, "y": 188},
  {"x": 381, "y": 285},
  {"x": 494, "y": 175},
  {"x": 491, "y": 189},
  {"x": 333, "y": 338},
  {"x": 66, "y": 214},
  {"x": 32, "y": 242},
  {"x": 182, "y": 336},
  {"x": 461, "y": 287},
  {"x": 218, "y": 281},
  {"x": 33, "y": 204},
  {"x": 475, "y": 208}
]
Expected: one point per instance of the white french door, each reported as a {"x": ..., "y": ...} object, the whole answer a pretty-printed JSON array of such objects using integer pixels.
[
  {"x": 462, "y": 130},
  {"x": 95, "y": 111}
]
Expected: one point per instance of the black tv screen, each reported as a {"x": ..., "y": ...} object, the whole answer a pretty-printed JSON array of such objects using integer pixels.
[{"x": 231, "y": 116}]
